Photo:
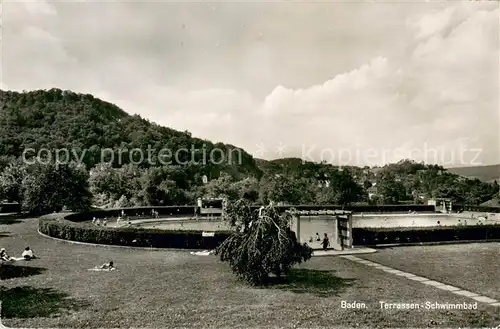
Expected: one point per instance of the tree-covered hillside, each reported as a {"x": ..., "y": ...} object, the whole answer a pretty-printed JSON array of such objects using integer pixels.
[
  {"x": 406, "y": 181},
  {"x": 57, "y": 119},
  {"x": 86, "y": 126}
]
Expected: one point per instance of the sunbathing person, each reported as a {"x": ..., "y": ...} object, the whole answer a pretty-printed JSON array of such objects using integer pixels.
[
  {"x": 4, "y": 256},
  {"x": 104, "y": 267},
  {"x": 107, "y": 266},
  {"x": 28, "y": 254}
]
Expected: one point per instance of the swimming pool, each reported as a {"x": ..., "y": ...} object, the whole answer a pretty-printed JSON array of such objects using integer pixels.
[
  {"x": 359, "y": 221},
  {"x": 422, "y": 220}
]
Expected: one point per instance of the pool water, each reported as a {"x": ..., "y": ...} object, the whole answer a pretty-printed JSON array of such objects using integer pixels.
[
  {"x": 188, "y": 224},
  {"x": 313, "y": 228},
  {"x": 359, "y": 221},
  {"x": 421, "y": 220}
]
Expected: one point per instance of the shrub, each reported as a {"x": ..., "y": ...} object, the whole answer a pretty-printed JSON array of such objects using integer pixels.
[{"x": 265, "y": 245}]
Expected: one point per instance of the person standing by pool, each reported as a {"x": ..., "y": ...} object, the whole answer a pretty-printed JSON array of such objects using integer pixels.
[
  {"x": 326, "y": 242},
  {"x": 317, "y": 237},
  {"x": 198, "y": 207}
]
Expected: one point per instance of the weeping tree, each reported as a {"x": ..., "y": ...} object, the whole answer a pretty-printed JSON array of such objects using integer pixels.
[{"x": 262, "y": 243}]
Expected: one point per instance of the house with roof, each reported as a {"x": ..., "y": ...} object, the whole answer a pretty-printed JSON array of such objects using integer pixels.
[{"x": 372, "y": 191}]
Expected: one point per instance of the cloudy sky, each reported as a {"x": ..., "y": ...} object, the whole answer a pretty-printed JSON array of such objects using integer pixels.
[{"x": 358, "y": 83}]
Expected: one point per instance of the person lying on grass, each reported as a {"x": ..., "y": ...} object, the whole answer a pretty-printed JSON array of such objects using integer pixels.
[
  {"x": 28, "y": 254},
  {"x": 107, "y": 266},
  {"x": 104, "y": 267},
  {"x": 4, "y": 256}
]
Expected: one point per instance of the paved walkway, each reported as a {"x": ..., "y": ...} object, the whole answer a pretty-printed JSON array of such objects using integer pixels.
[
  {"x": 424, "y": 280},
  {"x": 346, "y": 252},
  {"x": 352, "y": 251}
]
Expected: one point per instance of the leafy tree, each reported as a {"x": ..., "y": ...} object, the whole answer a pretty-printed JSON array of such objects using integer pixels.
[
  {"x": 342, "y": 189},
  {"x": 50, "y": 187},
  {"x": 220, "y": 187},
  {"x": 367, "y": 184},
  {"x": 104, "y": 179},
  {"x": 391, "y": 190},
  {"x": 495, "y": 188},
  {"x": 11, "y": 182},
  {"x": 5, "y": 161},
  {"x": 163, "y": 186},
  {"x": 111, "y": 183},
  {"x": 290, "y": 190},
  {"x": 266, "y": 244},
  {"x": 345, "y": 187},
  {"x": 123, "y": 202},
  {"x": 247, "y": 189}
]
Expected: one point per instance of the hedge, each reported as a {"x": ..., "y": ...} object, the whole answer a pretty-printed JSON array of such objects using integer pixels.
[
  {"x": 375, "y": 236},
  {"x": 459, "y": 207},
  {"x": 65, "y": 229},
  {"x": 9, "y": 207}
]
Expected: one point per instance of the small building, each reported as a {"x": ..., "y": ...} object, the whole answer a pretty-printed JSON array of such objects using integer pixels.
[
  {"x": 324, "y": 183},
  {"x": 443, "y": 205},
  {"x": 418, "y": 195},
  {"x": 372, "y": 192},
  {"x": 339, "y": 226},
  {"x": 211, "y": 206}
]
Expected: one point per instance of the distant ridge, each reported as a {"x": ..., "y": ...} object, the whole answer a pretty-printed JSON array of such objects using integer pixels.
[{"x": 488, "y": 173}]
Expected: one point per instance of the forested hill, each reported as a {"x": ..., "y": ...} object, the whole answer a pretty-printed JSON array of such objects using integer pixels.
[{"x": 57, "y": 119}]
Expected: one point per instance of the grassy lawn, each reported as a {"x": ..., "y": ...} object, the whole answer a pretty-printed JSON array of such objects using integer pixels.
[
  {"x": 175, "y": 289},
  {"x": 473, "y": 267}
]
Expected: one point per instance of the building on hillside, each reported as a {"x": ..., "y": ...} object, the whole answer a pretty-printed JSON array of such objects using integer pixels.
[
  {"x": 372, "y": 192},
  {"x": 324, "y": 183},
  {"x": 418, "y": 195}
]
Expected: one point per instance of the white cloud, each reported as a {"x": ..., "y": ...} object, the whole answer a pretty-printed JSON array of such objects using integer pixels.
[
  {"x": 39, "y": 7},
  {"x": 395, "y": 87}
]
